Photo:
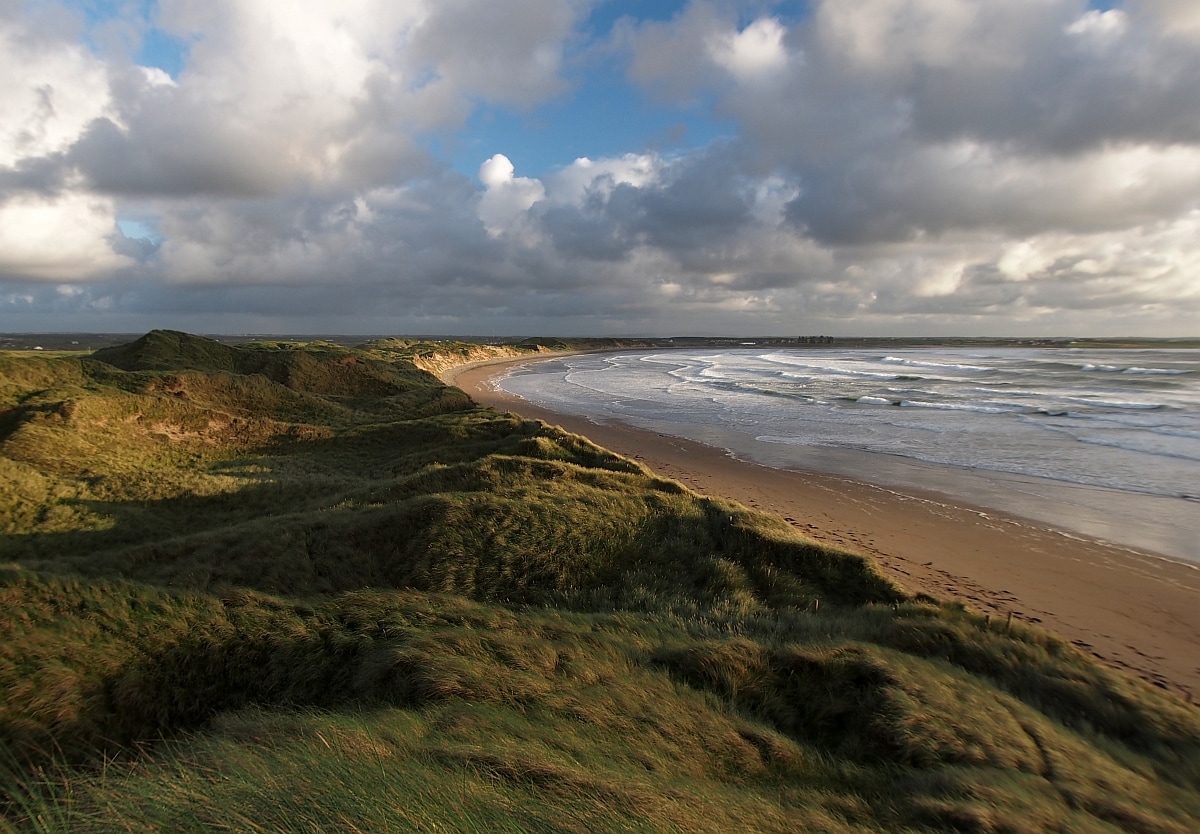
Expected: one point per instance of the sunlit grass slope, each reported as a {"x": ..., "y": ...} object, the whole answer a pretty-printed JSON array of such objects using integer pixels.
[{"x": 281, "y": 587}]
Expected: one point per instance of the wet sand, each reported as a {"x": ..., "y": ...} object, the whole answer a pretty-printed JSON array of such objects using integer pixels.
[{"x": 1135, "y": 611}]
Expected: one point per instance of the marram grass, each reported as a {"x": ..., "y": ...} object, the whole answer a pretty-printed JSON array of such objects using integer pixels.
[{"x": 287, "y": 587}]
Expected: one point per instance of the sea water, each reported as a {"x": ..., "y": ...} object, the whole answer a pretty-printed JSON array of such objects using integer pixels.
[{"x": 1095, "y": 441}]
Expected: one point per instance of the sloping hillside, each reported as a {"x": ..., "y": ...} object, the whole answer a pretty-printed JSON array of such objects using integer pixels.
[{"x": 286, "y": 587}]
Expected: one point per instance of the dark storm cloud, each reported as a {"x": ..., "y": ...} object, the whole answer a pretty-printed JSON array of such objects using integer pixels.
[
  {"x": 43, "y": 176},
  {"x": 695, "y": 205},
  {"x": 171, "y": 163}
]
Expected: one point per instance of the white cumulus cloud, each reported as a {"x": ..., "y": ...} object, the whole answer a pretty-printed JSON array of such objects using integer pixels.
[
  {"x": 506, "y": 197},
  {"x": 754, "y": 53},
  {"x": 61, "y": 238},
  {"x": 52, "y": 89}
]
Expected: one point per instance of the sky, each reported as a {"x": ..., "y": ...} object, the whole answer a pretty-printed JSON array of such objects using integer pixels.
[{"x": 601, "y": 167}]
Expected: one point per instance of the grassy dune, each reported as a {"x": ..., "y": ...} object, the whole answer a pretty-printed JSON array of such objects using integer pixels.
[{"x": 281, "y": 587}]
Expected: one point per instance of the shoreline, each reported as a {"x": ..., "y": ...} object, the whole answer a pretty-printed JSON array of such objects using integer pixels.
[{"x": 1135, "y": 611}]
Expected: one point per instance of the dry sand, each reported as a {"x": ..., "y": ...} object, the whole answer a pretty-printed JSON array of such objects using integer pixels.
[{"x": 1134, "y": 611}]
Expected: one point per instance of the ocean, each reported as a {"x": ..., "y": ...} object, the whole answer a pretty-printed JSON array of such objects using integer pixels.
[{"x": 1100, "y": 442}]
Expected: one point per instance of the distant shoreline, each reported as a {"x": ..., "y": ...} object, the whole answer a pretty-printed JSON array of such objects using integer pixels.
[
  {"x": 1135, "y": 611},
  {"x": 67, "y": 340}
]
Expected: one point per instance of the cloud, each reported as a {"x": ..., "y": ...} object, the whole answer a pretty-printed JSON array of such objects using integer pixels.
[
  {"x": 673, "y": 58},
  {"x": 934, "y": 189},
  {"x": 63, "y": 238},
  {"x": 922, "y": 137},
  {"x": 273, "y": 95},
  {"x": 998, "y": 165},
  {"x": 278, "y": 104},
  {"x": 1103, "y": 29},
  {"x": 52, "y": 89},
  {"x": 754, "y": 53},
  {"x": 1043, "y": 74},
  {"x": 504, "y": 53},
  {"x": 278, "y": 96},
  {"x": 506, "y": 197},
  {"x": 585, "y": 178},
  {"x": 1178, "y": 18}
]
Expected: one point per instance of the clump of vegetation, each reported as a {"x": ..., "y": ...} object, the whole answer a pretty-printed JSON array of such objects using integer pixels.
[{"x": 282, "y": 587}]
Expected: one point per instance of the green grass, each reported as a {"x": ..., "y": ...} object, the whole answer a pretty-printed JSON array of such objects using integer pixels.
[{"x": 281, "y": 587}]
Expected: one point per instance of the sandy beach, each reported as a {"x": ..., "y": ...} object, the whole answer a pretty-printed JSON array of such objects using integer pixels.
[{"x": 1134, "y": 611}]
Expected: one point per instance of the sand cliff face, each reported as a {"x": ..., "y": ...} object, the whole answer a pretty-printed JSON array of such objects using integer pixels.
[{"x": 439, "y": 362}]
